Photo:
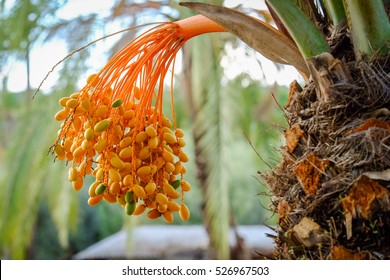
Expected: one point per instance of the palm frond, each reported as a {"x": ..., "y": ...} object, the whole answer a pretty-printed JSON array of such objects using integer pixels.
[
  {"x": 335, "y": 10},
  {"x": 62, "y": 201},
  {"x": 259, "y": 35},
  {"x": 211, "y": 135},
  {"x": 303, "y": 30},
  {"x": 369, "y": 25},
  {"x": 76, "y": 31},
  {"x": 28, "y": 179},
  {"x": 309, "y": 8}
]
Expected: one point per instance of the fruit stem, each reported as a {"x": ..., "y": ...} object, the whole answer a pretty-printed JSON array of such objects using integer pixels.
[{"x": 197, "y": 25}]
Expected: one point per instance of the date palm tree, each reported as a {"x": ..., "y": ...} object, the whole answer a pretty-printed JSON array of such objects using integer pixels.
[{"x": 331, "y": 190}]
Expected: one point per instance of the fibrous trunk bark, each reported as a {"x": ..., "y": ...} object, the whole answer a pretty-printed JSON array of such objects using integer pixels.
[{"x": 331, "y": 190}]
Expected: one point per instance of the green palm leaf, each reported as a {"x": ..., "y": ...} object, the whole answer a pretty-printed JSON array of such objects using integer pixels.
[
  {"x": 29, "y": 177},
  {"x": 211, "y": 136}
]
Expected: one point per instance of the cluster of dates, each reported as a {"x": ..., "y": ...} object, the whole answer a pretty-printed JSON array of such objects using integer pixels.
[{"x": 136, "y": 158}]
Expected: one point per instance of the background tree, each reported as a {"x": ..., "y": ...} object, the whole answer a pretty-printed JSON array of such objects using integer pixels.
[{"x": 30, "y": 19}]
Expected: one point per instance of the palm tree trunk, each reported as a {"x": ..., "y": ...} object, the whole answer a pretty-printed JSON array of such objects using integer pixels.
[
  {"x": 28, "y": 75},
  {"x": 331, "y": 190},
  {"x": 201, "y": 161},
  {"x": 28, "y": 72}
]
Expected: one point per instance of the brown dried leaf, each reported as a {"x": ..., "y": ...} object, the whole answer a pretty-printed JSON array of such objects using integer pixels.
[
  {"x": 309, "y": 173},
  {"x": 259, "y": 35},
  {"x": 341, "y": 253},
  {"x": 266, "y": 15},
  {"x": 327, "y": 71},
  {"x": 378, "y": 175},
  {"x": 283, "y": 210},
  {"x": 293, "y": 135},
  {"x": 364, "y": 196},
  {"x": 307, "y": 232},
  {"x": 295, "y": 90},
  {"x": 371, "y": 122}
]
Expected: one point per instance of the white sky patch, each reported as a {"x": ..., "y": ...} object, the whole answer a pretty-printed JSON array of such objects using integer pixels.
[
  {"x": 244, "y": 60},
  {"x": 84, "y": 7},
  {"x": 43, "y": 58},
  {"x": 254, "y": 4}
]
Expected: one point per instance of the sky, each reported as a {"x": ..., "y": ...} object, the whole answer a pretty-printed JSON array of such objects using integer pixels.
[{"x": 44, "y": 57}]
